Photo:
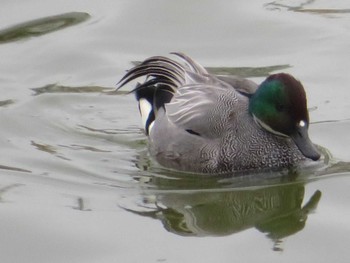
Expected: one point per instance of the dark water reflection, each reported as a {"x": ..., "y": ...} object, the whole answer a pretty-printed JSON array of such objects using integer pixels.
[
  {"x": 56, "y": 88},
  {"x": 41, "y": 26},
  {"x": 77, "y": 184},
  {"x": 274, "y": 210},
  {"x": 273, "y": 203},
  {"x": 303, "y": 8},
  {"x": 4, "y": 103},
  {"x": 247, "y": 72}
]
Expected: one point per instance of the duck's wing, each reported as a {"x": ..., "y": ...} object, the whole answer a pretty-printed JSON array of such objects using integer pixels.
[
  {"x": 203, "y": 107},
  {"x": 194, "y": 100}
]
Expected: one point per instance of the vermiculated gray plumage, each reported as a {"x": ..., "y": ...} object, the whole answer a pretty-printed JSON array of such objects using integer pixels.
[{"x": 200, "y": 122}]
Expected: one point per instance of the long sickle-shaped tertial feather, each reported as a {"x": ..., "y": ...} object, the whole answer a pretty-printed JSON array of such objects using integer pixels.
[{"x": 163, "y": 71}]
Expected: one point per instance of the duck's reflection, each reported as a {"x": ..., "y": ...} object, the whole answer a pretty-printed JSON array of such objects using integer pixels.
[{"x": 276, "y": 210}]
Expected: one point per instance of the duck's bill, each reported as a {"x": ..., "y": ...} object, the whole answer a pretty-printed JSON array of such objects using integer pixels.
[{"x": 305, "y": 145}]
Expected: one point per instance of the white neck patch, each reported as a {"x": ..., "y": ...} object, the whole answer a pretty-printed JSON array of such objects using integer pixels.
[{"x": 267, "y": 127}]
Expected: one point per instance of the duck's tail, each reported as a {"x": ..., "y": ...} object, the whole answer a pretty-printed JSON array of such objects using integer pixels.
[{"x": 163, "y": 77}]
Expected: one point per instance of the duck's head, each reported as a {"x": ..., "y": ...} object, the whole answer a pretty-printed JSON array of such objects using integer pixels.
[{"x": 279, "y": 106}]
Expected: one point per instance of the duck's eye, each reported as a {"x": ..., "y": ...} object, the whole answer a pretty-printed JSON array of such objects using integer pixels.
[{"x": 280, "y": 107}]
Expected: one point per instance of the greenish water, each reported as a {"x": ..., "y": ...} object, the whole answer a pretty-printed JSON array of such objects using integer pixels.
[{"x": 76, "y": 181}]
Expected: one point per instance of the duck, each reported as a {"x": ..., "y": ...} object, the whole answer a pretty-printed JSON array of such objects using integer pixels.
[{"x": 204, "y": 123}]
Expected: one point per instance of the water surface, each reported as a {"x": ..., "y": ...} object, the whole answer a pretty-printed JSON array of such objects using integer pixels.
[{"x": 76, "y": 181}]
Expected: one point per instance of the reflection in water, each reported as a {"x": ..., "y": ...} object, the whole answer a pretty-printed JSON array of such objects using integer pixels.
[
  {"x": 4, "y": 103},
  {"x": 55, "y": 88},
  {"x": 5, "y": 189},
  {"x": 48, "y": 149},
  {"x": 83, "y": 147},
  {"x": 81, "y": 205},
  {"x": 201, "y": 205},
  {"x": 41, "y": 26},
  {"x": 246, "y": 72},
  {"x": 10, "y": 168},
  {"x": 301, "y": 7},
  {"x": 275, "y": 210}
]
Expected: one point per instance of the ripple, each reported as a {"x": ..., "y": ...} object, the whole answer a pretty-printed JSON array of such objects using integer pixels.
[
  {"x": 55, "y": 88},
  {"x": 246, "y": 72},
  {"x": 48, "y": 149},
  {"x": 16, "y": 169},
  {"x": 4, "y": 103},
  {"x": 300, "y": 7},
  {"x": 41, "y": 26}
]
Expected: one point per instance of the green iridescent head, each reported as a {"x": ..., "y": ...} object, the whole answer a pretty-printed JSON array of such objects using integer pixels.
[{"x": 280, "y": 107}]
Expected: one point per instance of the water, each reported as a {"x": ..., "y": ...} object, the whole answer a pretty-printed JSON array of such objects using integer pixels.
[{"x": 76, "y": 182}]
